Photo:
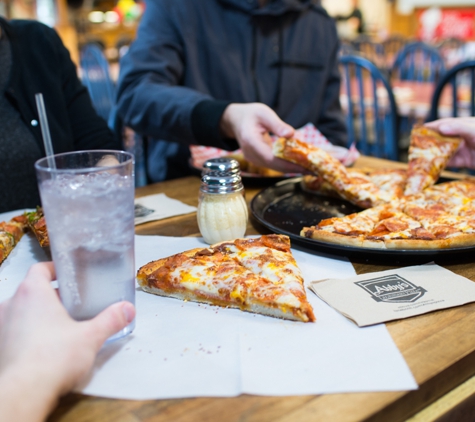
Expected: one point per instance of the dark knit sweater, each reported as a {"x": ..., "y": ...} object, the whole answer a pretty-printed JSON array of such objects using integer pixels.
[
  {"x": 41, "y": 63},
  {"x": 18, "y": 148}
]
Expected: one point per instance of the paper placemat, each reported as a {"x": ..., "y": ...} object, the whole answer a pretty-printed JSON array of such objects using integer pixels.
[
  {"x": 185, "y": 349},
  {"x": 158, "y": 207},
  {"x": 384, "y": 296}
]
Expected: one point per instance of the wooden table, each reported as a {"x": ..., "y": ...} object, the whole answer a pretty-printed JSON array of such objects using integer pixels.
[{"x": 438, "y": 347}]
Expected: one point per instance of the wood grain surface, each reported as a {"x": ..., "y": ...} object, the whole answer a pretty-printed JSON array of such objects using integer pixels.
[{"x": 438, "y": 347}]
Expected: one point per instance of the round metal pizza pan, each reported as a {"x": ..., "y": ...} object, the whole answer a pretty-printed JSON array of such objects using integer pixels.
[{"x": 285, "y": 208}]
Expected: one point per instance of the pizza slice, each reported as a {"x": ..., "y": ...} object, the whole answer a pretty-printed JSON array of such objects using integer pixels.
[
  {"x": 391, "y": 181},
  {"x": 353, "y": 229},
  {"x": 464, "y": 187},
  {"x": 429, "y": 220},
  {"x": 37, "y": 224},
  {"x": 352, "y": 187},
  {"x": 10, "y": 234},
  {"x": 429, "y": 153},
  {"x": 256, "y": 275}
]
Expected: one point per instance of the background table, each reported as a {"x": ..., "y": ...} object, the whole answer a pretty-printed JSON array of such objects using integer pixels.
[{"x": 439, "y": 348}]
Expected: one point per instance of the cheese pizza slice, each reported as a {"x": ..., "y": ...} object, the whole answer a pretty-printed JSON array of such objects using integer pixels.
[
  {"x": 256, "y": 275},
  {"x": 354, "y": 187},
  {"x": 429, "y": 153},
  {"x": 37, "y": 224},
  {"x": 10, "y": 234}
]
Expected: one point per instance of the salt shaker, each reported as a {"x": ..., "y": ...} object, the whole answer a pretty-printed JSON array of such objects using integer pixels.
[
  {"x": 222, "y": 209},
  {"x": 222, "y": 164}
]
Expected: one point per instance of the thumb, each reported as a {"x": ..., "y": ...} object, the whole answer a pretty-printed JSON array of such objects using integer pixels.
[
  {"x": 453, "y": 127},
  {"x": 450, "y": 129},
  {"x": 275, "y": 125},
  {"x": 110, "y": 321}
]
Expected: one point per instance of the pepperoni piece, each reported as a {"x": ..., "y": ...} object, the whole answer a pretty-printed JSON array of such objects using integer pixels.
[{"x": 422, "y": 233}]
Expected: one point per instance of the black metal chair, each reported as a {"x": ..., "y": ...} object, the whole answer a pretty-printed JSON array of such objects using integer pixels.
[
  {"x": 460, "y": 75},
  {"x": 371, "y": 112}
]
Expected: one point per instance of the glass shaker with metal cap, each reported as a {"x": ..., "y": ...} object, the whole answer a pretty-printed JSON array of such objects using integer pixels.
[
  {"x": 222, "y": 209},
  {"x": 222, "y": 164}
]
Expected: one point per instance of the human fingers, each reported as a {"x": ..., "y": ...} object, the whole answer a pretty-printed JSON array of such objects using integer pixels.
[
  {"x": 36, "y": 289},
  {"x": 110, "y": 321},
  {"x": 464, "y": 127},
  {"x": 285, "y": 166},
  {"x": 464, "y": 157},
  {"x": 3, "y": 306},
  {"x": 41, "y": 272},
  {"x": 271, "y": 122}
]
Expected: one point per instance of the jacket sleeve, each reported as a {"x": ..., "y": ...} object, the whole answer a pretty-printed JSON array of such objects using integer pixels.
[
  {"x": 331, "y": 121},
  {"x": 89, "y": 130},
  {"x": 150, "y": 99}
]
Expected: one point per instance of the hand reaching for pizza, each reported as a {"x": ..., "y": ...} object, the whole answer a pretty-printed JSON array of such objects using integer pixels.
[
  {"x": 465, "y": 128},
  {"x": 250, "y": 124},
  {"x": 44, "y": 353}
]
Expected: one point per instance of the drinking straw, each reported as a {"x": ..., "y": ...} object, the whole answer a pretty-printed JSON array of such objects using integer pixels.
[{"x": 40, "y": 105}]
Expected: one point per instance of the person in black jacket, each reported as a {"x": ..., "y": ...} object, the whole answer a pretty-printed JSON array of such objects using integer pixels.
[
  {"x": 226, "y": 73},
  {"x": 33, "y": 59}
]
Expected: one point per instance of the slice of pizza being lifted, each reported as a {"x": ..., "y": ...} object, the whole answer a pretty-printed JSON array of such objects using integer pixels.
[
  {"x": 353, "y": 187},
  {"x": 429, "y": 153},
  {"x": 257, "y": 275},
  {"x": 392, "y": 181}
]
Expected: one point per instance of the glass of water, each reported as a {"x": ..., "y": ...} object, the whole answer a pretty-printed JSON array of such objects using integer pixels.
[{"x": 88, "y": 203}]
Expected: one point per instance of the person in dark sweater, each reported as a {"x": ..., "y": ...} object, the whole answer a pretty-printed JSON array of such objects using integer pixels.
[
  {"x": 33, "y": 59},
  {"x": 226, "y": 73}
]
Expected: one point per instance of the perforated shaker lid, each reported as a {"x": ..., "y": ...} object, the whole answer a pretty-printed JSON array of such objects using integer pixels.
[
  {"x": 222, "y": 164},
  {"x": 221, "y": 182}
]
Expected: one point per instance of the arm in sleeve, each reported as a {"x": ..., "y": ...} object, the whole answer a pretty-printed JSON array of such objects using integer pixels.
[
  {"x": 89, "y": 130},
  {"x": 331, "y": 121},
  {"x": 151, "y": 98}
]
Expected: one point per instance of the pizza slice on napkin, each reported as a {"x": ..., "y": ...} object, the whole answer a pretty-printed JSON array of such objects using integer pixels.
[
  {"x": 256, "y": 275},
  {"x": 37, "y": 224},
  {"x": 10, "y": 234}
]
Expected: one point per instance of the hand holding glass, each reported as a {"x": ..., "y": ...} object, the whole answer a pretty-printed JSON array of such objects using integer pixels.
[{"x": 88, "y": 202}]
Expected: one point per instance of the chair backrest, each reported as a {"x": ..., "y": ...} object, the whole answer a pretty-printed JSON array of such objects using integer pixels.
[
  {"x": 370, "y": 108},
  {"x": 96, "y": 78},
  {"x": 368, "y": 48},
  {"x": 461, "y": 80},
  {"x": 418, "y": 61}
]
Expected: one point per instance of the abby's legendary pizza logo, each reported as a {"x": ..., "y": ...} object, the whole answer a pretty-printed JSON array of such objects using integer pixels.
[{"x": 392, "y": 289}]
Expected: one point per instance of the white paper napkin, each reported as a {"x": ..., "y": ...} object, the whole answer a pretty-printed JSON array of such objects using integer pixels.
[
  {"x": 158, "y": 207},
  {"x": 186, "y": 349}
]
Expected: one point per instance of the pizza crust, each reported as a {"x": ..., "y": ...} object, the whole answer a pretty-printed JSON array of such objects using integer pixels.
[
  {"x": 282, "y": 312},
  {"x": 335, "y": 238}
]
